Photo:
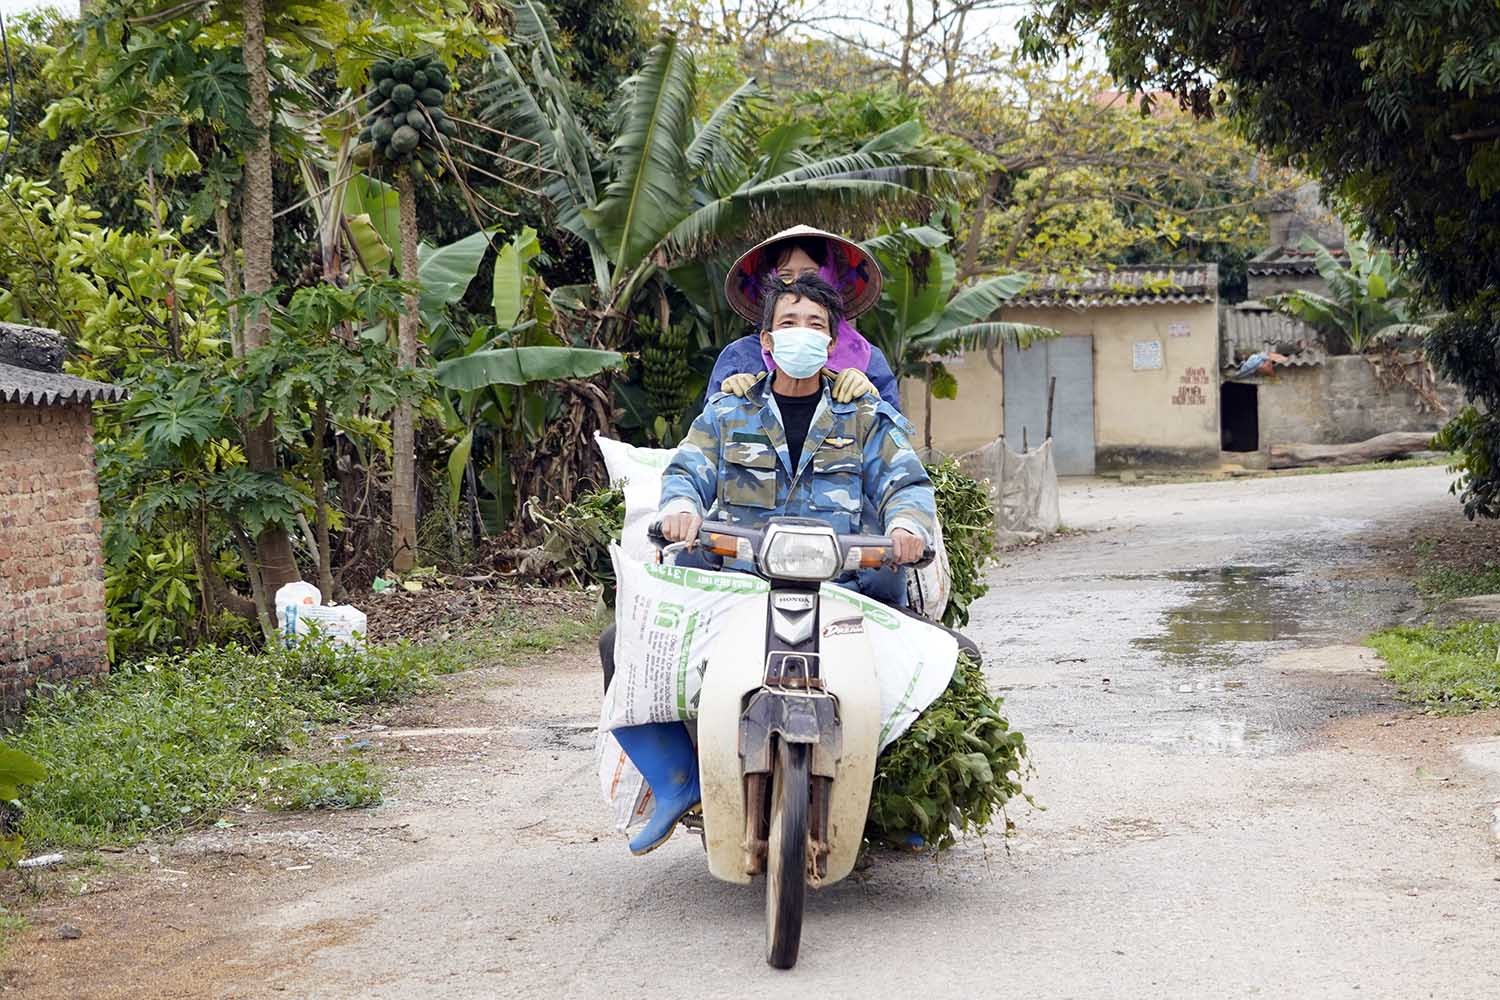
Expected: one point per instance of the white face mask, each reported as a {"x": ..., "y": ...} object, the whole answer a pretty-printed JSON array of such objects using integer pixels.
[{"x": 800, "y": 351}]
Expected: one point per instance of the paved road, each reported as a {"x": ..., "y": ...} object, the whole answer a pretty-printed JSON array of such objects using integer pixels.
[{"x": 1223, "y": 813}]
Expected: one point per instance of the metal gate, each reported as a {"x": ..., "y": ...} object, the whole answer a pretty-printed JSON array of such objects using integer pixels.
[{"x": 1027, "y": 374}]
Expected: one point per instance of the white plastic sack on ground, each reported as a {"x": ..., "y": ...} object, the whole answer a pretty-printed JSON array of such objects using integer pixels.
[
  {"x": 300, "y": 609},
  {"x": 637, "y": 471},
  {"x": 665, "y": 633}
]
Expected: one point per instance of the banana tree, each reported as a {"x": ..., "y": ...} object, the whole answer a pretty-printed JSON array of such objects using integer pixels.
[
  {"x": 1368, "y": 300},
  {"x": 513, "y": 388},
  {"x": 666, "y": 188},
  {"x": 922, "y": 315}
]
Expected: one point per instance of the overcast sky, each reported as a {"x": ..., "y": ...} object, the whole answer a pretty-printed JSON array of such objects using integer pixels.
[{"x": 12, "y": 6}]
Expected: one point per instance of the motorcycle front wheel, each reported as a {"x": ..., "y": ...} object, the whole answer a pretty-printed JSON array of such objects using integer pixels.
[{"x": 786, "y": 856}]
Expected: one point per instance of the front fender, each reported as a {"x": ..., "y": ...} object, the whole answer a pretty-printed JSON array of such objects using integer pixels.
[{"x": 735, "y": 670}]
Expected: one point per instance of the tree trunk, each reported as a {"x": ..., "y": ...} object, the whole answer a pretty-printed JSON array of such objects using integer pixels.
[
  {"x": 231, "y": 276},
  {"x": 970, "y": 264},
  {"x": 1396, "y": 444},
  {"x": 403, "y": 435},
  {"x": 274, "y": 546},
  {"x": 320, "y": 497}
]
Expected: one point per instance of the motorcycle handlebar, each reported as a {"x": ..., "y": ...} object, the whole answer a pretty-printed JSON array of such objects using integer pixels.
[{"x": 846, "y": 542}]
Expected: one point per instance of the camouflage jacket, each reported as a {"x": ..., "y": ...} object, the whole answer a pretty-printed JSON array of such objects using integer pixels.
[{"x": 858, "y": 471}]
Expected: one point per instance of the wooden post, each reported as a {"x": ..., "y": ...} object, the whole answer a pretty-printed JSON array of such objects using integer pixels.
[{"x": 1051, "y": 391}]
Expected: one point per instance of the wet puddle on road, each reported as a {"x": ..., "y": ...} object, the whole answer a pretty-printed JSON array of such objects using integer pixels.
[{"x": 1228, "y": 606}]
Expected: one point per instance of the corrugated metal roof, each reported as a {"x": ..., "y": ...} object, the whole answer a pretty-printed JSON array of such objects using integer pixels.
[
  {"x": 1125, "y": 285},
  {"x": 1248, "y": 327},
  {"x": 33, "y": 388}
]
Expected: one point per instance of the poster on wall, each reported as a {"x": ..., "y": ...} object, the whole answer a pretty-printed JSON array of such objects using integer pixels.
[
  {"x": 1178, "y": 330},
  {"x": 1147, "y": 356}
]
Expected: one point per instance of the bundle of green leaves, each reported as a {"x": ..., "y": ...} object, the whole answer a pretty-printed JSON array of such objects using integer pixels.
[
  {"x": 968, "y": 520},
  {"x": 952, "y": 771},
  {"x": 579, "y": 534}
]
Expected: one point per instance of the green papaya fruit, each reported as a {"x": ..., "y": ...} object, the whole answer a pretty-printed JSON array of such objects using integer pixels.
[
  {"x": 403, "y": 95},
  {"x": 380, "y": 69},
  {"x": 418, "y": 80},
  {"x": 383, "y": 129},
  {"x": 386, "y": 85},
  {"x": 405, "y": 139},
  {"x": 431, "y": 98},
  {"x": 402, "y": 69}
]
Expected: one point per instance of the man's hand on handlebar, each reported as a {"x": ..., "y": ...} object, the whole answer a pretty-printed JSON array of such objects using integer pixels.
[
  {"x": 907, "y": 547},
  {"x": 681, "y": 527}
]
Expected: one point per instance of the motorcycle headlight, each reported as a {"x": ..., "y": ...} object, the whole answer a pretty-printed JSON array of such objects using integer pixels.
[{"x": 801, "y": 554}]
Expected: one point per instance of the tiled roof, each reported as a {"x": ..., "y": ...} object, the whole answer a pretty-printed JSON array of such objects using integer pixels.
[
  {"x": 33, "y": 388},
  {"x": 1290, "y": 260},
  {"x": 1125, "y": 285}
]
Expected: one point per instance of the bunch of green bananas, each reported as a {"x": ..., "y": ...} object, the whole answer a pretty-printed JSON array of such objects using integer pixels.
[{"x": 664, "y": 371}]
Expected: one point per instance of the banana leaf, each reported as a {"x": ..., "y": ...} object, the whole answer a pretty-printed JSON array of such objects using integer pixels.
[
  {"x": 523, "y": 365},
  {"x": 648, "y": 194}
]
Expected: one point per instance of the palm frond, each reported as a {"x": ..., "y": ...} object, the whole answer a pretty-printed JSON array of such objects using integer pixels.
[
  {"x": 982, "y": 336},
  {"x": 906, "y": 239},
  {"x": 976, "y": 303},
  {"x": 720, "y": 138},
  {"x": 841, "y": 204},
  {"x": 893, "y": 168},
  {"x": 1320, "y": 311},
  {"x": 648, "y": 192}
]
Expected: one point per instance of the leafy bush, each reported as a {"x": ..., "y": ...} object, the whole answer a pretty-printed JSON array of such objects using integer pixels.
[
  {"x": 1450, "y": 670},
  {"x": 968, "y": 520},
  {"x": 172, "y": 742},
  {"x": 952, "y": 770}
]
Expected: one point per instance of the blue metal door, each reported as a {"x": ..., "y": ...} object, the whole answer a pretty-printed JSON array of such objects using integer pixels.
[{"x": 1071, "y": 361}]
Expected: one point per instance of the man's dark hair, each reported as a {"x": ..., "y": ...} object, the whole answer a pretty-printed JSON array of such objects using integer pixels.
[
  {"x": 810, "y": 287},
  {"x": 814, "y": 246}
]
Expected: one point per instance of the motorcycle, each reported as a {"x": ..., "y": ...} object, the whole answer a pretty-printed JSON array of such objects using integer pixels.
[{"x": 788, "y": 727}]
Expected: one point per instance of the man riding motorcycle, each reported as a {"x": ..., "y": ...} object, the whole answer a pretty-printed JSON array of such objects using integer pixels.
[{"x": 788, "y": 447}]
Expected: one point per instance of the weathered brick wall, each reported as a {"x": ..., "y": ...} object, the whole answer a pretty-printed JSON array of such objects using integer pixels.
[{"x": 51, "y": 568}]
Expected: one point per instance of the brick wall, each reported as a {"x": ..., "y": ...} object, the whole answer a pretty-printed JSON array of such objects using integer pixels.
[{"x": 51, "y": 569}]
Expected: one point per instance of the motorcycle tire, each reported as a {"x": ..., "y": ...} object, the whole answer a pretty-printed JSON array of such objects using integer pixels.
[{"x": 786, "y": 856}]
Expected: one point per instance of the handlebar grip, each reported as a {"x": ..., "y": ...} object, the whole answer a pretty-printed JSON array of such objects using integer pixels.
[
  {"x": 928, "y": 555},
  {"x": 656, "y": 535}
]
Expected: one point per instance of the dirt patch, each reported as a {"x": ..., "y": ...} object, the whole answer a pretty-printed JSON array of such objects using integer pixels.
[
  {"x": 442, "y": 609},
  {"x": 1413, "y": 733},
  {"x": 1455, "y": 541},
  {"x": 168, "y": 919}
]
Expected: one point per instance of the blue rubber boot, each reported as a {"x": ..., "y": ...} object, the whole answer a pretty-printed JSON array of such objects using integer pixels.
[{"x": 664, "y": 754}]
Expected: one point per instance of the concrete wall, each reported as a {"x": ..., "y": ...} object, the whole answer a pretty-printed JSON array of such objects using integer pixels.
[
  {"x": 1338, "y": 402},
  {"x": 52, "y": 625},
  {"x": 1168, "y": 416}
]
